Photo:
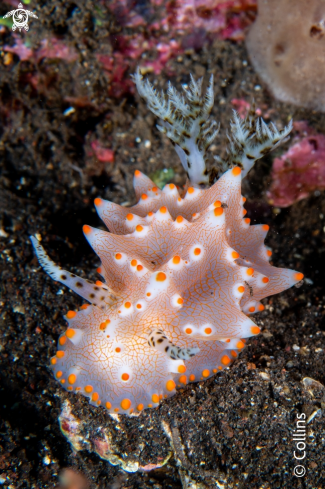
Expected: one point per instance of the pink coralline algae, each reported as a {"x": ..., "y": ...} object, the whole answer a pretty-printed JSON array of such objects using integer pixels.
[
  {"x": 298, "y": 172},
  {"x": 50, "y": 48},
  {"x": 168, "y": 28},
  {"x": 155, "y": 32},
  {"x": 104, "y": 155}
]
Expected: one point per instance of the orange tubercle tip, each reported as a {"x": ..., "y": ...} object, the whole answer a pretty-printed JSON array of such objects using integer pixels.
[
  {"x": 225, "y": 360},
  {"x": 217, "y": 203},
  {"x": 236, "y": 171},
  {"x": 233, "y": 353},
  {"x": 261, "y": 307},
  {"x": 255, "y": 329},
  {"x": 98, "y": 201},
  {"x": 155, "y": 398},
  {"x": 190, "y": 190},
  {"x": 127, "y": 305},
  {"x": 126, "y": 404},
  {"x": 129, "y": 217},
  {"x": 240, "y": 345},
  {"x": 250, "y": 271},
  {"x": 139, "y": 228},
  {"x": 197, "y": 251},
  {"x": 252, "y": 309},
  {"x": 71, "y": 314},
  {"x": 244, "y": 199},
  {"x": 171, "y": 186},
  {"x": 244, "y": 212},
  {"x": 247, "y": 220},
  {"x": 163, "y": 209},
  {"x": 182, "y": 369},
  {"x": 139, "y": 306},
  {"x": 95, "y": 396},
  {"x": 208, "y": 330},
  {"x": 62, "y": 340},
  {"x": 84, "y": 306},
  {"x": 53, "y": 361},
  {"x": 299, "y": 276},
  {"x": 86, "y": 229},
  {"x": 176, "y": 260},
  {"x": 188, "y": 331},
  {"x": 180, "y": 300},
  {"x": 179, "y": 219},
  {"x": 192, "y": 377},
  {"x": 183, "y": 379},
  {"x": 218, "y": 211},
  {"x": 269, "y": 252},
  {"x": 59, "y": 374},
  {"x": 70, "y": 333},
  {"x": 140, "y": 407},
  {"x": 170, "y": 385},
  {"x": 72, "y": 378},
  {"x": 265, "y": 280},
  {"x": 154, "y": 189},
  {"x": 150, "y": 213},
  {"x": 205, "y": 373},
  {"x": 139, "y": 268},
  {"x": 241, "y": 289},
  {"x": 235, "y": 255},
  {"x": 161, "y": 277},
  {"x": 88, "y": 389},
  {"x": 134, "y": 263},
  {"x": 137, "y": 173},
  {"x": 60, "y": 353},
  {"x": 265, "y": 227},
  {"x": 99, "y": 283},
  {"x": 108, "y": 405},
  {"x": 118, "y": 256},
  {"x": 144, "y": 196},
  {"x": 118, "y": 349}
]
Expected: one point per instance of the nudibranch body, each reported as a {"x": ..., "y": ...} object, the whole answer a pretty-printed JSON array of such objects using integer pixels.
[{"x": 182, "y": 271}]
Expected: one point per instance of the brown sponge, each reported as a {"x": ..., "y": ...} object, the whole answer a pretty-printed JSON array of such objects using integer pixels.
[{"x": 286, "y": 45}]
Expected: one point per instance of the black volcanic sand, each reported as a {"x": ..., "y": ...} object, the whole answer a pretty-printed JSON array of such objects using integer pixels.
[{"x": 235, "y": 428}]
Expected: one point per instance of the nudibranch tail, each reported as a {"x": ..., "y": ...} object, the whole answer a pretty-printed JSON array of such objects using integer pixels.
[{"x": 182, "y": 271}]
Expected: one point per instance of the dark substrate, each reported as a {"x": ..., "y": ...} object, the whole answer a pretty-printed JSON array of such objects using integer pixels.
[{"x": 236, "y": 427}]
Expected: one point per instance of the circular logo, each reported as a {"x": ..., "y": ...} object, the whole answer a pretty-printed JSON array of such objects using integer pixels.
[
  {"x": 299, "y": 470},
  {"x": 20, "y": 18}
]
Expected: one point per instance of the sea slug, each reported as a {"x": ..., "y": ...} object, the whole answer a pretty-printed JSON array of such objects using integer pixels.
[{"x": 181, "y": 270}]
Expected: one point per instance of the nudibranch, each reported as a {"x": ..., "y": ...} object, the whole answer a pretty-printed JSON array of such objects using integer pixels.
[{"x": 182, "y": 271}]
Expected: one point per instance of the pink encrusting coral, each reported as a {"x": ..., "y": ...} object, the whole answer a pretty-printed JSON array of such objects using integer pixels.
[
  {"x": 300, "y": 171},
  {"x": 181, "y": 271}
]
